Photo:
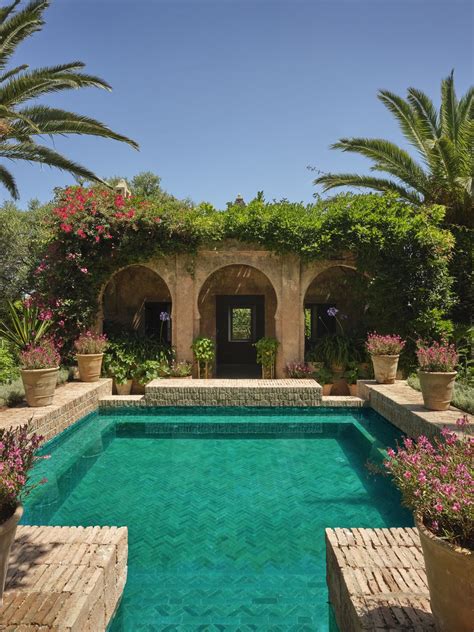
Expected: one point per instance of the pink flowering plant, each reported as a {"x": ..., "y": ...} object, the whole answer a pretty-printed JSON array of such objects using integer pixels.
[
  {"x": 437, "y": 357},
  {"x": 298, "y": 370},
  {"x": 17, "y": 457},
  {"x": 43, "y": 355},
  {"x": 391, "y": 344},
  {"x": 436, "y": 480},
  {"x": 90, "y": 342}
]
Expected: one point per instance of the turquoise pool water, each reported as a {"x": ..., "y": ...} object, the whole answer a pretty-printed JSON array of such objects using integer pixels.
[{"x": 226, "y": 508}]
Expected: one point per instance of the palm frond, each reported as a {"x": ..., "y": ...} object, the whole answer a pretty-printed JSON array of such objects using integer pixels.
[
  {"x": 409, "y": 123},
  {"x": 55, "y": 121},
  {"x": 5, "y": 11},
  {"x": 466, "y": 106},
  {"x": 425, "y": 111},
  {"x": 8, "y": 182},
  {"x": 388, "y": 157},
  {"x": 13, "y": 72},
  {"x": 449, "y": 108},
  {"x": 32, "y": 152},
  {"x": 332, "y": 181},
  {"x": 15, "y": 28}
]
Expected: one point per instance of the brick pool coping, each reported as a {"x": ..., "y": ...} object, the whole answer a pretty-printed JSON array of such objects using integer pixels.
[
  {"x": 376, "y": 580},
  {"x": 64, "y": 578},
  {"x": 403, "y": 407}
]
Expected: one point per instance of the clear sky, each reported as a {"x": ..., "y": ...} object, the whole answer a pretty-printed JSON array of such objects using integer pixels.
[{"x": 236, "y": 96}]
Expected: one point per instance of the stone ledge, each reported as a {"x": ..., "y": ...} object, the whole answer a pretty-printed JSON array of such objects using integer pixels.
[
  {"x": 403, "y": 407},
  {"x": 122, "y": 401},
  {"x": 71, "y": 402},
  {"x": 342, "y": 401},
  {"x": 64, "y": 578},
  {"x": 376, "y": 580}
]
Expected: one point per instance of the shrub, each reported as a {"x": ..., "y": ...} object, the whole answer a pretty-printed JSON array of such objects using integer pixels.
[
  {"x": 8, "y": 366},
  {"x": 437, "y": 357},
  {"x": 298, "y": 370},
  {"x": 150, "y": 370},
  {"x": 26, "y": 324},
  {"x": 334, "y": 349},
  {"x": 181, "y": 369},
  {"x": 17, "y": 456},
  {"x": 436, "y": 481},
  {"x": 90, "y": 342},
  {"x": 390, "y": 344},
  {"x": 44, "y": 355}
]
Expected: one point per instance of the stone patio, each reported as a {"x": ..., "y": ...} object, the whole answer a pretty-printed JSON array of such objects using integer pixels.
[
  {"x": 64, "y": 578},
  {"x": 376, "y": 580}
]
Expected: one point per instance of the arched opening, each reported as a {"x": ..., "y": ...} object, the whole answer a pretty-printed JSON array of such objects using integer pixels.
[
  {"x": 137, "y": 300},
  {"x": 237, "y": 306},
  {"x": 335, "y": 302}
]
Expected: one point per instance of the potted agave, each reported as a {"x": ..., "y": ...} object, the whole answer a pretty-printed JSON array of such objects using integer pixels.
[
  {"x": 436, "y": 481},
  {"x": 17, "y": 455},
  {"x": 39, "y": 372},
  {"x": 385, "y": 353},
  {"x": 90, "y": 347},
  {"x": 437, "y": 375}
]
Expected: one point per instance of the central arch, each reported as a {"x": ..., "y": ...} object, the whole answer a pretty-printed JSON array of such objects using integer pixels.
[{"x": 237, "y": 304}]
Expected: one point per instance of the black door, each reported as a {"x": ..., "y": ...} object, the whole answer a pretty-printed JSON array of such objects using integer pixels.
[
  {"x": 158, "y": 321},
  {"x": 240, "y": 322}
]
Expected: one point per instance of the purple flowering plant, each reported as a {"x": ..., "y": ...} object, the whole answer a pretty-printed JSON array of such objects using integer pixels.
[
  {"x": 391, "y": 344},
  {"x": 43, "y": 355},
  {"x": 90, "y": 342},
  {"x": 298, "y": 370},
  {"x": 17, "y": 457},
  {"x": 436, "y": 480},
  {"x": 438, "y": 356}
]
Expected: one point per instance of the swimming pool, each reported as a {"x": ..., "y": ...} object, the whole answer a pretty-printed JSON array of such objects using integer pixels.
[{"x": 226, "y": 508}]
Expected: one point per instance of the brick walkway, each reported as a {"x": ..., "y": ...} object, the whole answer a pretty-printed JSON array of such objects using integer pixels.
[
  {"x": 376, "y": 580},
  {"x": 403, "y": 407},
  {"x": 71, "y": 402},
  {"x": 64, "y": 578}
]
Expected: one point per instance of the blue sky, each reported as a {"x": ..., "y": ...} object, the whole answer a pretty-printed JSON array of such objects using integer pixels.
[{"x": 236, "y": 96}]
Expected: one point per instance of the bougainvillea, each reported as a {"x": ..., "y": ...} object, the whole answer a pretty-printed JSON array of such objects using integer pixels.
[
  {"x": 436, "y": 479},
  {"x": 95, "y": 232}
]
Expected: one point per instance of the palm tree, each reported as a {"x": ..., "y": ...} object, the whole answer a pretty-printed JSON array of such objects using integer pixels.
[
  {"x": 444, "y": 141},
  {"x": 20, "y": 125}
]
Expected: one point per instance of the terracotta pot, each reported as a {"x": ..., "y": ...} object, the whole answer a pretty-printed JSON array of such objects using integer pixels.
[
  {"x": 450, "y": 575},
  {"x": 437, "y": 389},
  {"x": 124, "y": 389},
  {"x": 327, "y": 389},
  {"x": 337, "y": 369},
  {"x": 385, "y": 368},
  {"x": 40, "y": 385},
  {"x": 138, "y": 388},
  {"x": 7, "y": 535},
  {"x": 354, "y": 390},
  {"x": 90, "y": 366}
]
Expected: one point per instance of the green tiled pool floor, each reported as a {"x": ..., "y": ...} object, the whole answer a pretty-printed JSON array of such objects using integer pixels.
[{"x": 224, "y": 533}]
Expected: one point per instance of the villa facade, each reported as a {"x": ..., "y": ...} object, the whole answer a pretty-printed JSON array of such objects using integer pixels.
[{"x": 234, "y": 293}]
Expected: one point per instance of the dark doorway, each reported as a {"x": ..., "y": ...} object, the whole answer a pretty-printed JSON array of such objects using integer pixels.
[
  {"x": 158, "y": 321},
  {"x": 240, "y": 322}
]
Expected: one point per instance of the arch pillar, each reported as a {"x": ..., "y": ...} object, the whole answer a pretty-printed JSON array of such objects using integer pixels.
[
  {"x": 288, "y": 330},
  {"x": 183, "y": 310}
]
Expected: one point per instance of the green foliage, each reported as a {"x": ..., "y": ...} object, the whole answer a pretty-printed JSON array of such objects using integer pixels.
[
  {"x": 266, "y": 352},
  {"x": 463, "y": 395},
  {"x": 24, "y": 325},
  {"x": 150, "y": 370},
  {"x": 8, "y": 365},
  {"x": 333, "y": 349},
  {"x": 204, "y": 350},
  {"x": 138, "y": 358},
  {"x": 352, "y": 372},
  {"x": 323, "y": 376}
]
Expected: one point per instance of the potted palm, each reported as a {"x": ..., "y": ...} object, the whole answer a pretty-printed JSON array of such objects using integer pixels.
[
  {"x": 437, "y": 374},
  {"x": 436, "y": 481},
  {"x": 39, "y": 372},
  {"x": 90, "y": 347},
  {"x": 17, "y": 455},
  {"x": 385, "y": 353}
]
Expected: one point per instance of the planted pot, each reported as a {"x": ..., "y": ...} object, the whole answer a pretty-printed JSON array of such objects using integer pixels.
[
  {"x": 7, "y": 535},
  {"x": 450, "y": 572},
  {"x": 385, "y": 368},
  {"x": 138, "y": 388},
  {"x": 337, "y": 369},
  {"x": 125, "y": 388},
  {"x": 39, "y": 385},
  {"x": 354, "y": 390},
  {"x": 437, "y": 388},
  {"x": 327, "y": 389},
  {"x": 90, "y": 366}
]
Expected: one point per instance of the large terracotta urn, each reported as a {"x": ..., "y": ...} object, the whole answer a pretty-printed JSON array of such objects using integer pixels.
[
  {"x": 437, "y": 388},
  {"x": 7, "y": 535},
  {"x": 90, "y": 366},
  {"x": 450, "y": 575},
  {"x": 385, "y": 368},
  {"x": 39, "y": 385}
]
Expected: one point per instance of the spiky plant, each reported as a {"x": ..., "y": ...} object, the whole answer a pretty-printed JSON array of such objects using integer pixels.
[
  {"x": 21, "y": 126},
  {"x": 444, "y": 141}
]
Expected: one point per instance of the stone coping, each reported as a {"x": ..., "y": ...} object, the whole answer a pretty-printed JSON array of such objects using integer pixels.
[
  {"x": 376, "y": 580},
  {"x": 71, "y": 401},
  {"x": 403, "y": 407},
  {"x": 64, "y": 578},
  {"x": 251, "y": 384}
]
